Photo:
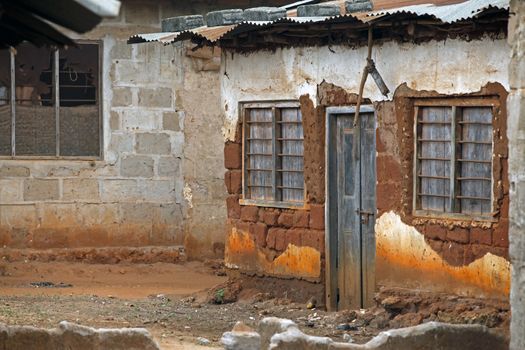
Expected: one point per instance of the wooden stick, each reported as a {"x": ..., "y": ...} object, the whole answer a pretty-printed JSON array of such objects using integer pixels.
[{"x": 363, "y": 77}]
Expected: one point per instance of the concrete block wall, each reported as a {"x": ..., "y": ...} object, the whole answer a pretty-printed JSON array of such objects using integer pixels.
[
  {"x": 160, "y": 181},
  {"x": 516, "y": 135}
]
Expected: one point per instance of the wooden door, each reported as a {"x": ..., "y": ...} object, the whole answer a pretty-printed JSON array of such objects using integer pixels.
[{"x": 351, "y": 209}]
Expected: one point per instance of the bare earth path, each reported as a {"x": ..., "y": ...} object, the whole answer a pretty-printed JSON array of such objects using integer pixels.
[{"x": 169, "y": 300}]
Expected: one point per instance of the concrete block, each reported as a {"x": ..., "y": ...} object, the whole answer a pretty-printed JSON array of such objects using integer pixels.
[
  {"x": 41, "y": 189},
  {"x": 80, "y": 189},
  {"x": 120, "y": 50},
  {"x": 14, "y": 171},
  {"x": 264, "y": 13},
  {"x": 181, "y": 23},
  {"x": 358, "y": 6},
  {"x": 318, "y": 10},
  {"x": 140, "y": 119},
  {"x": 168, "y": 214},
  {"x": 137, "y": 213},
  {"x": 10, "y": 190},
  {"x": 120, "y": 190},
  {"x": 136, "y": 166},
  {"x": 169, "y": 166},
  {"x": 93, "y": 214},
  {"x": 114, "y": 120},
  {"x": 19, "y": 216},
  {"x": 153, "y": 143},
  {"x": 224, "y": 17},
  {"x": 158, "y": 190},
  {"x": 158, "y": 97},
  {"x": 121, "y": 97},
  {"x": 121, "y": 142},
  {"x": 171, "y": 121}
]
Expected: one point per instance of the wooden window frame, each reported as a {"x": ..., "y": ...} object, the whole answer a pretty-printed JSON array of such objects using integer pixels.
[
  {"x": 455, "y": 104},
  {"x": 244, "y": 108},
  {"x": 56, "y": 97}
]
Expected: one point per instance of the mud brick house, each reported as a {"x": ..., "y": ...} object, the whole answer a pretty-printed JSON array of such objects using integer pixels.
[
  {"x": 107, "y": 145},
  {"x": 411, "y": 192}
]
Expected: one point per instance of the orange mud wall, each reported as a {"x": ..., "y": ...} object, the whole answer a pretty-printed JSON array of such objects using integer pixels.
[{"x": 442, "y": 255}]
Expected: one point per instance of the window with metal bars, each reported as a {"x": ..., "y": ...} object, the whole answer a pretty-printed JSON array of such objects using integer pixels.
[
  {"x": 453, "y": 157},
  {"x": 273, "y": 154},
  {"x": 49, "y": 102}
]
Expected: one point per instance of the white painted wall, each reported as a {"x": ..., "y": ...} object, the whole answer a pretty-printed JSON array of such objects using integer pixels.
[{"x": 451, "y": 66}]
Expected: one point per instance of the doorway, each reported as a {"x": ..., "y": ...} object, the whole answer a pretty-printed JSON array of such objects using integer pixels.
[{"x": 350, "y": 207}]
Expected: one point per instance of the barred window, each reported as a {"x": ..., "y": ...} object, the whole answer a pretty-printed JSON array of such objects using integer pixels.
[
  {"x": 273, "y": 153},
  {"x": 453, "y": 158},
  {"x": 49, "y": 102}
]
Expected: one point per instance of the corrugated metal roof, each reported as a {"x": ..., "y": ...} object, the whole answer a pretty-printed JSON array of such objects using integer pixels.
[
  {"x": 446, "y": 11},
  {"x": 449, "y": 13}
]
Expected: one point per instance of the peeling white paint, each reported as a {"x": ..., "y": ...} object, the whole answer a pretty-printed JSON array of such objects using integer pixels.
[{"x": 451, "y": 66}]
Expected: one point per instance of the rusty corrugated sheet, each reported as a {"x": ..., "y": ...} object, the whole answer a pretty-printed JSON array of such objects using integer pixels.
[{"x": 447, "y": 11}]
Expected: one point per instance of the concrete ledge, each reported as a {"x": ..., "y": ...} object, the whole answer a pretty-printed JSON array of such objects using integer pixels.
[
  {"x": 224, "y": 17},
  {"x": 318, "y": 10},
  {"x": 72, "y": 336},
  {"x": 264, "y": 13},
  {"x": 111, "y": 255}
]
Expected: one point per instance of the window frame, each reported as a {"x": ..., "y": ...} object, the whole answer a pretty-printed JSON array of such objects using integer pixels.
[
  {"x": 56, "y": 98},
  {"x": 244, "y": 108},
  {"x": 454, "y": 103}
]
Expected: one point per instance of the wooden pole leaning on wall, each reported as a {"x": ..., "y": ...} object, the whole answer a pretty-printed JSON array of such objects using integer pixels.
[
  {"x": 364, "y": 76},
  {"x": 371, "y": 69}
]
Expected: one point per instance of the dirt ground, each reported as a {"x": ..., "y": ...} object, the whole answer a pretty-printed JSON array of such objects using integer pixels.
[{"x": 172, "y": 302}]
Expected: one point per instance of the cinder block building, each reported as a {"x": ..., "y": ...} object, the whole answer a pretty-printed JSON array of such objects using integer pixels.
[{"x": 107, "y": 145}]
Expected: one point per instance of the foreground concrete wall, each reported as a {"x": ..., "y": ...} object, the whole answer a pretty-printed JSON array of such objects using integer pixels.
[
  {"x": 275, "y": 333},
  {"x": 72, "y": 336},
  {"x": 463, "y": 256},
  {"x": 516, "y": 135}
]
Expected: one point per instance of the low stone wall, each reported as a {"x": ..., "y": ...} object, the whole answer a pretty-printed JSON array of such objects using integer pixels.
[
  {"x": 281, "y": 334},
  {"x": 73, "y": 336}
]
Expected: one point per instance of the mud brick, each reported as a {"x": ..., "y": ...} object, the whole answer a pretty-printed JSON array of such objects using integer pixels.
[
  {"x": 453, "y": 253},
  {"x": 232, "y": 155},
  {"x": 227, "y": 180},
  {"x": 259, "y": 231},
  {"x": 233, "y": 207},
  {"x": 249, "y": 213},
  {"x": 245, "y": 227},
  {"x": 436, "y": 232},
  {"x": 301, "y": 219},
  {"x": 317, "y": 216},
  {"x": 500, "y": 235},
  {"x": 293, "y": 236},
  {"x": 271, "y": 217},
  {"x": 436, "y": 245},
  {"x": 286, "y": 220},
  {"x": 314, "y": 239},
  {"x": 459, "y": 235},
  {"x": 275, "y": 239},
  {"x": 235, "y": 182},
  {"x": 480, "y": 235},
  {"x": 479, "y": 250}
]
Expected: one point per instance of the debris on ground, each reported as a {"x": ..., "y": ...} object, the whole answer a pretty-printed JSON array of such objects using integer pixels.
[
  {"x": 225, "y": 293},
  {"x": 47, "y": 284}
]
